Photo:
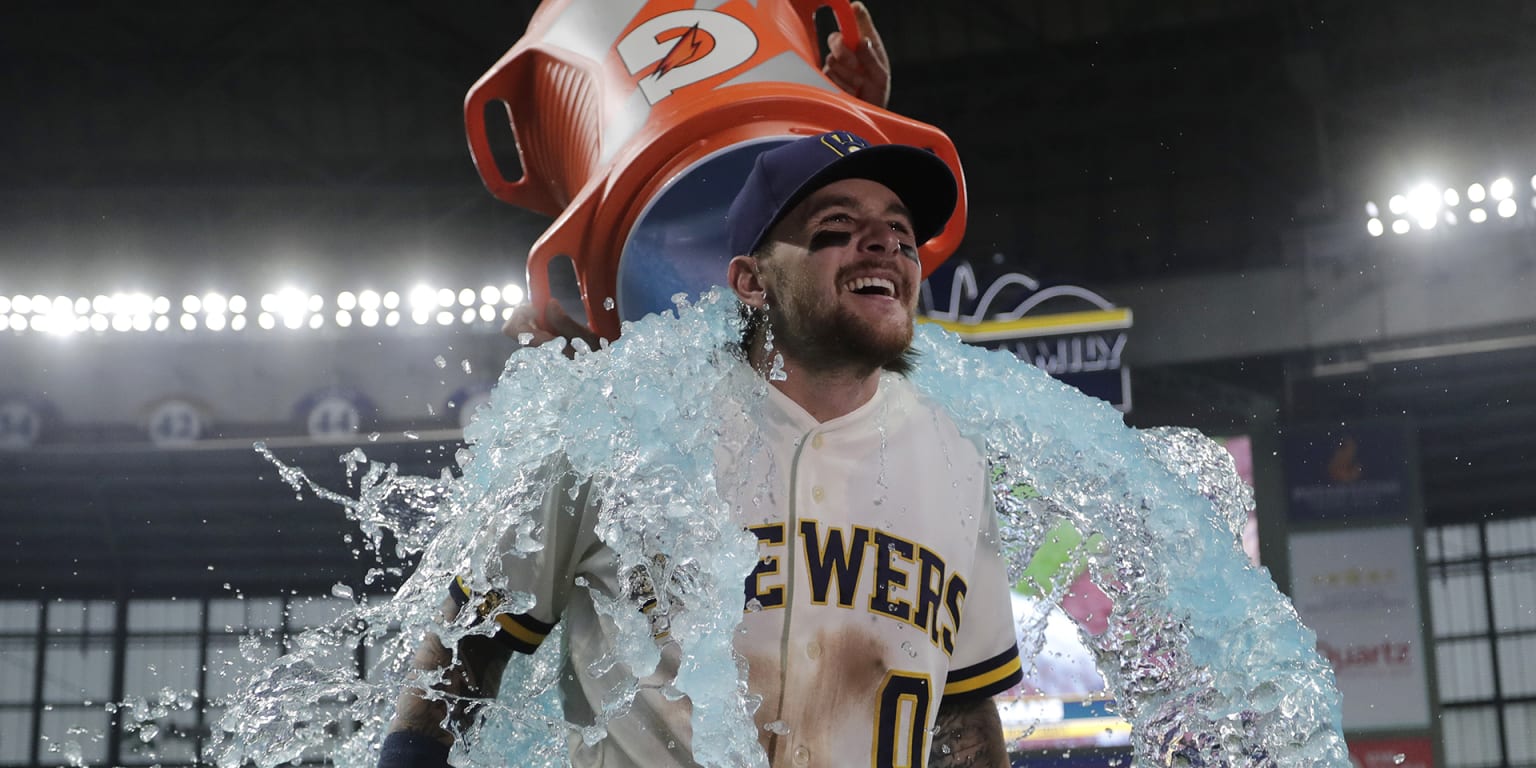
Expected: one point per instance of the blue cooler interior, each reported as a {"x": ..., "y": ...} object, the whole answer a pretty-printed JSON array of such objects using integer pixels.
[{"x": 678, "y": 245}]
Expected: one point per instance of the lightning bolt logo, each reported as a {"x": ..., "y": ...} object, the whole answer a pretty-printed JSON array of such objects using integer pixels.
[{"x": 692, "y": 45}]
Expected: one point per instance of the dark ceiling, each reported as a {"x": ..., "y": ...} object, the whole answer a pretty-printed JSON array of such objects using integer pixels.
[{"x": 1105, "y": 141}]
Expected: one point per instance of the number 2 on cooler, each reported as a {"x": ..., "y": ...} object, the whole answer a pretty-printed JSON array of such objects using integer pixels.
[{"x": 685, "y": 47}]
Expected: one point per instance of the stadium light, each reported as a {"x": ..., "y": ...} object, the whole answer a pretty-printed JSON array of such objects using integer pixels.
[
  {"x": 1423, "y": 205},
  {"x": 1429, "y": 205},
  {"x": 423, "y": 298},
  {"x": 289, "y": 307}
]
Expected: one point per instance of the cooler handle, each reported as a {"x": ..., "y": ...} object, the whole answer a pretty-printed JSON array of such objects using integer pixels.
[
  {"x": 567, "y": 237},
  {"x": 493, "y": 87},
  {"x": 847, "y": 22}
]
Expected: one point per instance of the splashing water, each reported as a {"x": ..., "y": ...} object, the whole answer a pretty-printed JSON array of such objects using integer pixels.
[{"x": 1205, "y": 657}]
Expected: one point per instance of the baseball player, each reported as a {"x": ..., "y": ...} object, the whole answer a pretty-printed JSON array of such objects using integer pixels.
[{"x": 877, "y": 623}]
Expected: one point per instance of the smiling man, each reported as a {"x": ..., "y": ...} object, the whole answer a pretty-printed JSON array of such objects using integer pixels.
[{"x": 877, "y": 623}]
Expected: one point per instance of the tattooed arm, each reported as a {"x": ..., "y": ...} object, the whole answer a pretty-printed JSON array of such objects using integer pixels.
[
  {"x": 968, "y": 734},
  {"x": 475, "y": 674}
]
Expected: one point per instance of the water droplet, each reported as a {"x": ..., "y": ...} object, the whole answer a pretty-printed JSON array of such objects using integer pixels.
[
  {"x": 907, "y": 646},
  {"x": 778, "y": 726},
  {"x": 440, "y": 361},
  {"x": 608, "y": 304},
  {"x": 373, "y": 437},
  {"x": 341, "y": 590},
  {"x": 411, "y": 435},
  {"x": 1398, "y": 758},
  {"x": 466, "y": 366}
]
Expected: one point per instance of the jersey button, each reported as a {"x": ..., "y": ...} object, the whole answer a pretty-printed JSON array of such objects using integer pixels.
[
  {"x": 802, "y": 755},
  {"x": 816, "y": 442},
  {"x": 818, "y": 494}
]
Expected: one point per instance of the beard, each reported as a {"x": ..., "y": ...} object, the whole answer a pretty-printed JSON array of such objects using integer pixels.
[{"x": 836, "y": 338}]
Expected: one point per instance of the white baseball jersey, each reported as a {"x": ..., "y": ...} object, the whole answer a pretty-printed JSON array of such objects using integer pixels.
[{"x": 879, "y": 591}]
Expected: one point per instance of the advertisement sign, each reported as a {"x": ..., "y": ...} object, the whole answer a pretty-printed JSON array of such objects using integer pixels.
[
  {"x": 1358, "y": 590},
  {"x": 1348, "y": 473},
  {"x": 1401, "y": 752},
  {"x": 1068, "y": 331}
]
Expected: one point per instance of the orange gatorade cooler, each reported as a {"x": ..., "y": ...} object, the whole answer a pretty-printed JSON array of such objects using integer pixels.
[{"x": 636, "y": 122}]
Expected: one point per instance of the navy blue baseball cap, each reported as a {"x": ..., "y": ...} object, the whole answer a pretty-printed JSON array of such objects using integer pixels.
[{"x": 788, "y": 173}]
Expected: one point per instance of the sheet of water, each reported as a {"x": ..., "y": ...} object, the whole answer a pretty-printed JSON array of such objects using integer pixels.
[{"x": 1204, "y": 656}]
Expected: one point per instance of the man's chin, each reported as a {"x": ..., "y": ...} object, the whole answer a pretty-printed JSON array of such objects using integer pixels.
[{"x": 877, "y": 345}]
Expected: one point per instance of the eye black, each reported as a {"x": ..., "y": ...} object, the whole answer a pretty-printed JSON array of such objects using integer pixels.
[{"x": 828, "y": 238}]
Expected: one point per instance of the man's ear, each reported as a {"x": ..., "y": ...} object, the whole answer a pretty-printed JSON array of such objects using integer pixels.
[{"x": 746, "y": 282}]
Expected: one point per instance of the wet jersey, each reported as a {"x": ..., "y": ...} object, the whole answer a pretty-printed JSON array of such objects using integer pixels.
[{"x": 879, "y": 591}]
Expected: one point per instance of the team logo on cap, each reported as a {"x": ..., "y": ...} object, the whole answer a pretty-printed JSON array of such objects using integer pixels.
[{"x": 843, "y": 143}]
